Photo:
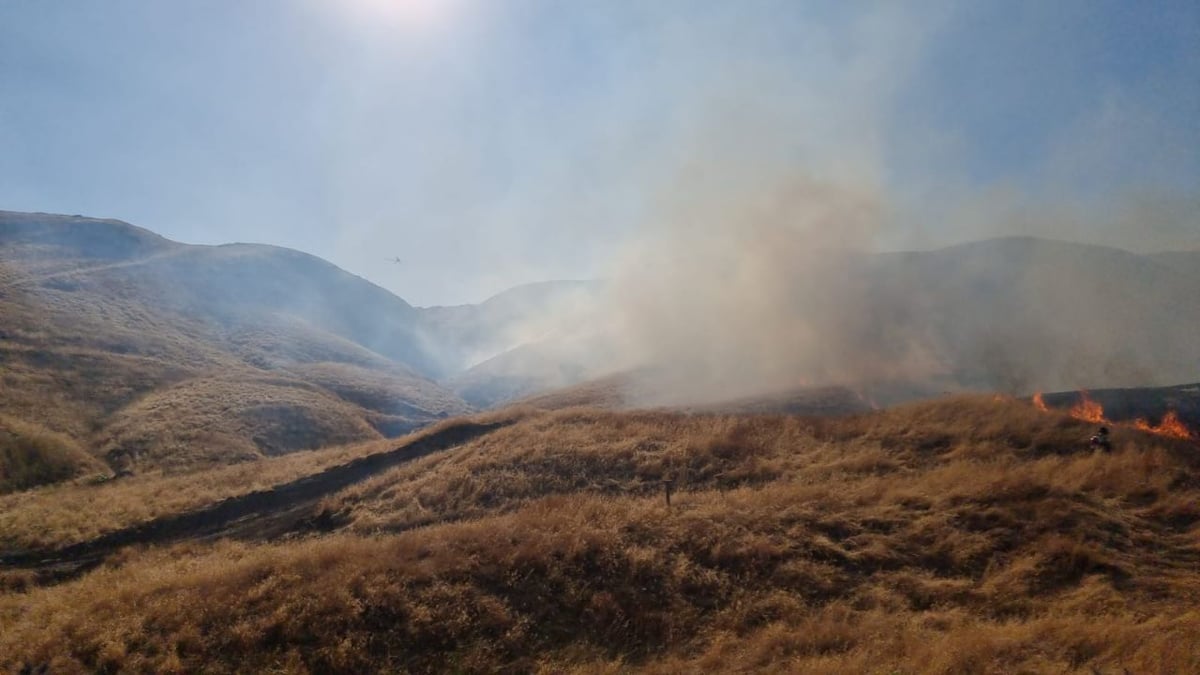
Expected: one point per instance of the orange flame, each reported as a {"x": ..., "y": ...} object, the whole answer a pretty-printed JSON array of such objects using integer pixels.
[
  {"x": 1039, "y": 402},
  {"x": 1091, "y": 411},
  {"x": 1169, "y": 426},
  {"x": 1087, "y": 409}
]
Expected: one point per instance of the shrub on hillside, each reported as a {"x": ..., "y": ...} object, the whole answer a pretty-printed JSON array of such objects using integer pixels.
[{"x": 31, "y": 455}]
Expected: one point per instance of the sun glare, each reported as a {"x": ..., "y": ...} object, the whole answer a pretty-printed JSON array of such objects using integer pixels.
[{"x": 407, "y": 14}]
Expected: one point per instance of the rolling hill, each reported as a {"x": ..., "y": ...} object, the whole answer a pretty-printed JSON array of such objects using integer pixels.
[
  {"x": 1023, "y": 314},
  {"x": 1016, "y": 315},
  {"x": 468, "y": 335},
  {"x": 970, "y": 534},
  {"x": 797, "y": 530},
  {"x": 153, "y": 354}
]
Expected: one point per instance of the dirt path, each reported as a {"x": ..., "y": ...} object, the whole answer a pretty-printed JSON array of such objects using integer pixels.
[
  {"x": 261, "y": 515},
  {"x": 35, "y": 279}
]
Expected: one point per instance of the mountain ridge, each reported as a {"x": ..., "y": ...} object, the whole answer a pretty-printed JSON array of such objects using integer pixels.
[{"x": 119, "y": 325}]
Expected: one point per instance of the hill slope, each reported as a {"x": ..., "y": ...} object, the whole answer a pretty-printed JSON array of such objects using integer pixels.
[
  {"x": 108, "y": 330},
  {"x": 1022, "y": 314},
  {"x": 1015, "y": 314},
  {"x": 152, "y": 353},
  {"x": 468, "y": 335},
  {"x": 965, "y": 535}
]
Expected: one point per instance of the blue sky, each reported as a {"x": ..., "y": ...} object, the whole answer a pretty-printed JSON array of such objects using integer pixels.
[{"x": 494, "y": 142}]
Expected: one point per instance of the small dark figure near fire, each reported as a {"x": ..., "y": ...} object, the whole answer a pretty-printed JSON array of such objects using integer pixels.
[{"x": 1101, "y": 440}]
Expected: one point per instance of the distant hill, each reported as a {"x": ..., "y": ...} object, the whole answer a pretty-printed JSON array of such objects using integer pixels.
[
  {"x": 468, "y": 335},
  {"x": 152, "y": 353},
  {"x": 643, "y": 388},
  {"x": 1014, "y": 314},
  {"x": 149, "y": 353},
  {"x": 1022, "y": 314},
  {"x": 1184, "y": 262},
  {"x": 525, "y": 370}
]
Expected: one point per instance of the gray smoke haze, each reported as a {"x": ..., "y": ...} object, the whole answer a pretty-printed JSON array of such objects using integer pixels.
[
  {"x": 732, "y": 171},
  {"x": 751, "y": 284},
  {"x": 753, "y": 264},
  {"x": 746, "y": 272},
  {"x": 738, "y": 276}
]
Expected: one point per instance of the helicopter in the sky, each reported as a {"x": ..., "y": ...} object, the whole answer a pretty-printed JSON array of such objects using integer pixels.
[{"x": 395, "y": 260}]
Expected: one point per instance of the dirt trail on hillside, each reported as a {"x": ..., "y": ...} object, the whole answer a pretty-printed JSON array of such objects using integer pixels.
[
  {"x": 35, "y": 279},
  {"x": 265, "y": 514}
]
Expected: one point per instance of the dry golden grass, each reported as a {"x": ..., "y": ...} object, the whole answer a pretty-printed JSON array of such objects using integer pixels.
[
  {"x": 953, "y": 537},
  {"x": 51, "y": 516},
  {"x": 221, "y": 419},
  {"x": 31, "y": 455},
  {"x": 610, "y": 393},
  {"x": 72, "y": 390},
  {"x": 136, "y": 360},
  {"x": 572, "y": 451},
  {"x": 145, "y": 413},
  {"x": 386, "y": 389},
  {"x": 942, "y": 443}
]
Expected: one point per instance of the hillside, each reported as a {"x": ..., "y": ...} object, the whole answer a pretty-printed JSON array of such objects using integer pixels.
[
  {"x": 1128, "y": 405},
  {"x": 151, "y": 354},
  {"x": 633, "y": 390},
  {"x": 528, "y": 369},
  {"x": 519, "y": 342},
  {"x": 1185, "y": 262},
  {"x": 157, "y": 354},
  {"x": 1016, "y": 314},
  {"x": 1024, "y": 314},
  {"x": 470, "y": 334},
  {"x": 971, "y": 534}
]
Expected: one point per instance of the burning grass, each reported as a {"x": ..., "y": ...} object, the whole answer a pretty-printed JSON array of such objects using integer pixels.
[
  {"x": 1089, "y": 410},
  {"x": 1039, "y": 402},
  {"x": 961, "y": 536},
  {"x": 1170, "y": 425}
]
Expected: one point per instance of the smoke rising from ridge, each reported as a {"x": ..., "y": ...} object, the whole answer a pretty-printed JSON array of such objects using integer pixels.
[
  {"x": 746, "y": 288},
  {"x": 731, "y": 169},
  {"x": 746, "y": 272},
  {"x": 752, "y": 266}
]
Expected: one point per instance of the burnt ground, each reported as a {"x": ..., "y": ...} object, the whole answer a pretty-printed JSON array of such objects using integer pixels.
[{"x": 266, "y": 514}]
